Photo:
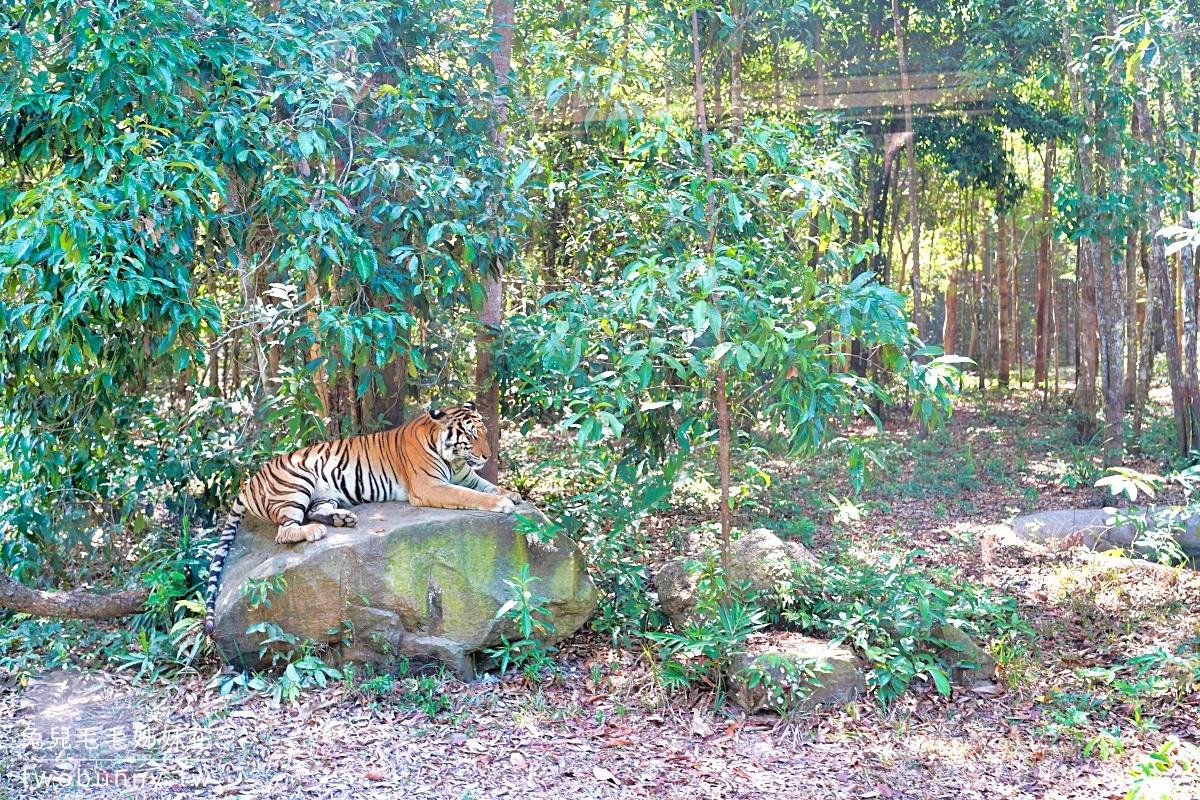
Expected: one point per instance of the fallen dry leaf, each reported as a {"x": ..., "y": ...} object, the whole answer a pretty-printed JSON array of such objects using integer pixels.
[
  {"x": 700, "y": 726},
  {"x": 601, "y": 774}
]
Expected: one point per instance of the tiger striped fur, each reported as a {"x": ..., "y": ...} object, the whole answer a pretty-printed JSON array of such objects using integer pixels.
[{"x": 429, "y": 461}]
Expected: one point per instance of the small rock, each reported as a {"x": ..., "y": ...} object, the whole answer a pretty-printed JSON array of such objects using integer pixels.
[
  {"x": 759, "y": 559},
  {"x": 838, "y": 677},
  {"x": 676, "y": 586},
  {"x": 963, "y": 650},
  {"x": 1093, "y": 528}
]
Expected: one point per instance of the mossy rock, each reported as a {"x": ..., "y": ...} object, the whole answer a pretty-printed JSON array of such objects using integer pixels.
[
  {"x": 969, "y": 663},
  {"x": 758, "y": 560},
  {"x": 796, "y": 673},
  {"x": 419, "y": 583}
]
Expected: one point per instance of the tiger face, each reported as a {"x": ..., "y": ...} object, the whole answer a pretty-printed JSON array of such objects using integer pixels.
[{"x": 463, "y": 437}]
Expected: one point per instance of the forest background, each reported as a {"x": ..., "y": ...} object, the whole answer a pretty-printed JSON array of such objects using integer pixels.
[{"x": 228, "y": 229}]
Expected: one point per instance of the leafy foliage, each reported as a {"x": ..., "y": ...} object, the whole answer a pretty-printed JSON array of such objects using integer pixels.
[
  {"x": 720, "y": 625},
  {"x": 891, "y": 612}
]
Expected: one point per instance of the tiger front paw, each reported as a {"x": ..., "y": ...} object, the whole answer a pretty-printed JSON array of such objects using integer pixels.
[
  {"x": 300, "y": 533},
  {"x": 505, "y": 506},
  {"x": 341, "y": 518},
  {"x": 516, "y": 498}
]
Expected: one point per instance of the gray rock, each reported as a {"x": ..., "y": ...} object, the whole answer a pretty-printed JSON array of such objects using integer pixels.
[
  {"x": 676, "y": 586},
  {"x": 758, "y": 558},
  {"x": 962, "y": 654},
  {"x": 1094, "y": 528},
  {"x": 761, "y": 559},
  {"x": 838, "y": 676},
  {"x": 422, "y": 583}
]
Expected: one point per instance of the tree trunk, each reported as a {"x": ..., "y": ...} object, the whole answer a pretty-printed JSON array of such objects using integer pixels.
[
  {"x": 391, "y": 407},
  {"x": 1014, "y": 310},
  {"x": 1042, "y": 312},
  {"x": 1159, "y": 283},
  {"x": 1132, "y": 330},
  {"x": 722, "y": 399},
  {"x": 487, "y": 392},
  {"x": 1087, "y": 327},
  {"x": 1187, "y": 268},
  {"x": 1004, "y": 304},
  {"x": 1086, "y": 342},
  {"x": 737, "y": 112},
  {"x": 950, "y": 321},
  {"x": 77, "y": 604},
  {"x": 820, "y": 59},
  {"x": 320, "y": 378},
  {"x": 1111, "y": 285},
  {"x": 910, "y": 145},
  {"x": 1146, "y": 347}
]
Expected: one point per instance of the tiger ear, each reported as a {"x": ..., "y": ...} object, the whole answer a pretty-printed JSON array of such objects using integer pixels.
[
  {"x": 469, "y": 406},
  {"x": 436, "y": 413}
]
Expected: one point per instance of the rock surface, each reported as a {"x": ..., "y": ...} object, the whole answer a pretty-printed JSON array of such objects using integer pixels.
[
  {"x": 838, "y": 677},
  {"x": 421, "y": 583},
  {"x": 1090, "y": 527},
  {"x": 676, "y": 586},
  {"x": 758, "y": 558},
  {"x": 962, "y": 654}
]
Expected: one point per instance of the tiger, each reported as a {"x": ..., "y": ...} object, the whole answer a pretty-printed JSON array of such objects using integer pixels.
[{"x": 429, "y": 461}]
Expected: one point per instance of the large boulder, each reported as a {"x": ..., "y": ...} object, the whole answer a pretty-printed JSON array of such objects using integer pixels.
[
  {"x": 419, "y": 583},
  {"x": 791, "y": 672},
  {"x": 1095, "y": 528}
]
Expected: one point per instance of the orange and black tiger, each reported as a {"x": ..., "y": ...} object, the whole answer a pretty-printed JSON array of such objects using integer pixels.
[{"x": 429, "y": 461}]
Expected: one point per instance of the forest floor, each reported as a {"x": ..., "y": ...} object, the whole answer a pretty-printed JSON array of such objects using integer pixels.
[{"x": 1054, "y": 724}]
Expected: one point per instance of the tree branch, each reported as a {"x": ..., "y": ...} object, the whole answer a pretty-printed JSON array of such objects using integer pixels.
[{"x": 76, "y": 604}]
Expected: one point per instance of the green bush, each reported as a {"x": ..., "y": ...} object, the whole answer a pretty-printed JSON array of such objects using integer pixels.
[
  {"x": 703, "y": 652},
  {"x": 890, "y": 613}
]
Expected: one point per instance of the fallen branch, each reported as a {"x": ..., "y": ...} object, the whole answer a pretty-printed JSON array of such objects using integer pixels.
[{"x": 76, "y": 604}]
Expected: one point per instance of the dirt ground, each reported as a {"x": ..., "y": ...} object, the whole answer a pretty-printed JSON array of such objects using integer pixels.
[{"x": 1046, "y": 728}]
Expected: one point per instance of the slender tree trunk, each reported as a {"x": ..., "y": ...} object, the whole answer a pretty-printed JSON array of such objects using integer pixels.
[
  {"x": 1055, "y": 339},
  {"x": 1147, "y": 348},
  {"x": 1004, "y": 305},
  {"x": 722, "y": 400},
  {"x": 950, "y": 321},
  {"x": 820, "y": 59},
  {"x": 893, "y": 230},
  {"x": 987, "y": 280},
  {"x": 1131, "y": 320},
  {"x": 1087, "y": 327},
  {"x": 1086, "y": 342},
  {"x": 1015, "y": 309},
  {"x": 320, "y": 378},
  {"x": 1187, "y": 268},
  {"x": 1159, "y": 283},
  {"x": 1111, "y": 280},
  {"x": 1043, "y": 309},
  {"x": 1188, "y": 334},
  {"x": 910, "y": 145},
  {"x": 212, "y": 376},
  {"x": 736, "y": 110},
  {"x": 491, "y": 316}
]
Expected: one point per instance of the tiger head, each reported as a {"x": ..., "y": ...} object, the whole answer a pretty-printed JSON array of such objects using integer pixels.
[{"x": 462, "y": 437}]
